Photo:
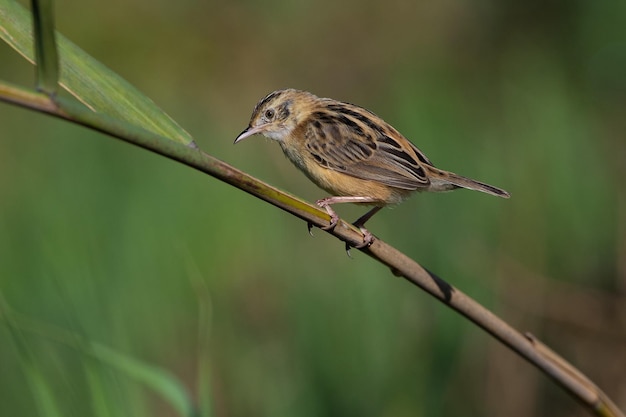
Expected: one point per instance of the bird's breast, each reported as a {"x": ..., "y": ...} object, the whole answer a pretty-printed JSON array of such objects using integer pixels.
[{"x": 338, "y": 183}]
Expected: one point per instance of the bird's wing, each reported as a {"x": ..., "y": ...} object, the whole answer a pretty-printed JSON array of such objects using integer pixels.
[{"x": 351, "y": 143}]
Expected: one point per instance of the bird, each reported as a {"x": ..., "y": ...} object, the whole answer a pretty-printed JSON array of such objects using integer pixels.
[{"x": 351, "y": 153}]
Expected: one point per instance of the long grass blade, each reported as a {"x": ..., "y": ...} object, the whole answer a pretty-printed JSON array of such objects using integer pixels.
[
  {"x": 168, "y": 386},
  {"x": 46, "y": 56},
  {"x": 40, "y": 387}
]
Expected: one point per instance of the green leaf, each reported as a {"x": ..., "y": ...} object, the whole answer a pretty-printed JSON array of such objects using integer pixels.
[
  {"x": 97, "y": 389},
  {"x": 93, "y": 84},
  {"x": 161, "y": 381},
  {"x": 203, "y": 295},
  {"x": 40, "y": 387},
  {"x": 42, "y": 390}
]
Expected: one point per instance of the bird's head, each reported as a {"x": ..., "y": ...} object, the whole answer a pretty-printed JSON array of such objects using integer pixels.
[{"x": 277, "y": 115}]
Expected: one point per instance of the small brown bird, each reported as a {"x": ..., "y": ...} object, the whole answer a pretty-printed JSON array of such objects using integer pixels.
[{"x": 351, "y": 153}]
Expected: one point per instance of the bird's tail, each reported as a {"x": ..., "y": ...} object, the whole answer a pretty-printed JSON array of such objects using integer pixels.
[{"x": 449, "y": 180}]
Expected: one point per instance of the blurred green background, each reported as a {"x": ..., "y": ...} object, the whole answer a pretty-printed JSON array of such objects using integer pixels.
[{"x": 111, "y": 242}]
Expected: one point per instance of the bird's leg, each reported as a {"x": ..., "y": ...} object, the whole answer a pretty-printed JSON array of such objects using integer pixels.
[
  {"x": 334, "y": 218},
  {"x": 325, "y": 203}
]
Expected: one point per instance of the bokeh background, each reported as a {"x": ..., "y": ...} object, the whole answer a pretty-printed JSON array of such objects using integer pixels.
[{"x": 116, "y": 244}]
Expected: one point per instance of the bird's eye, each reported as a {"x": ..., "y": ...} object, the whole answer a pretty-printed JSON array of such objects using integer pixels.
[{"x": 269, "y": 114}]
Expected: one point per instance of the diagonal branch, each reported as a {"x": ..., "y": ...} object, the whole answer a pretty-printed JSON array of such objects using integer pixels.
[{"x": 527, "y": 346}]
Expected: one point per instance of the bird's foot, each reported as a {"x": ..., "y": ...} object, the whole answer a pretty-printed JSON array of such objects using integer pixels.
[
  {"x": 334, "y": 218},
  {"x": 368, "y": 239}
]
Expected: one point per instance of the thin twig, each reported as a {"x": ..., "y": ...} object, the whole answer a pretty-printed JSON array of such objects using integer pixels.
[{"x": 527, "y": 346}]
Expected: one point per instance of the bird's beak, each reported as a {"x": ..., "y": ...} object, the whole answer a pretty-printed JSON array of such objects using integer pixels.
[{"x": 249, "y": 131}]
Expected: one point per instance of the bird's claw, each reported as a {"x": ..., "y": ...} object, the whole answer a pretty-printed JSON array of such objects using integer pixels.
[
  {"x": 368, "y": 239},
  {"x": 348, "y": 247},
  {"x": 334, "y": 219}
]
